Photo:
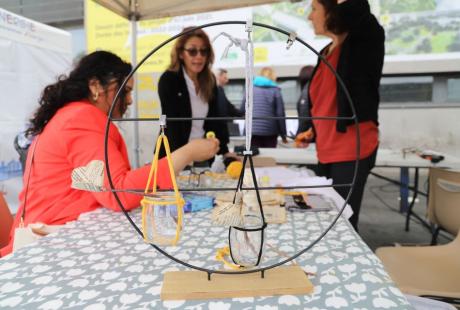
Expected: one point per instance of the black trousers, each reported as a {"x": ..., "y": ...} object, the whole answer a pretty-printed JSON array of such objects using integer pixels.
[
  {"x": 342, "y": 173},
  {"x": 264, "y": 141}
]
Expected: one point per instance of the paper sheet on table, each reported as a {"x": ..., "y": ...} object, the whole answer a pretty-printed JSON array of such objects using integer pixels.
[
  {"x": 280, "y": 175},
  {"x": 301, "y": 177}
]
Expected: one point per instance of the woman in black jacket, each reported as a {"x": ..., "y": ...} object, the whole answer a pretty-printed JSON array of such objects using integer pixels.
[
  {"x": 356, "y": 52},
  {"x": 188, "y": 89}
]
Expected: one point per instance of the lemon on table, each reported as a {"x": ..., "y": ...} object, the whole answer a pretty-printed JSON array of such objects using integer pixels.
[
  {"x": 234, "y": 169},
  {"x": 210, "y": 135}
]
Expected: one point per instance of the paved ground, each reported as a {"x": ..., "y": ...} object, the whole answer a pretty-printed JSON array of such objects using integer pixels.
[{"x": 381, "y": 223}]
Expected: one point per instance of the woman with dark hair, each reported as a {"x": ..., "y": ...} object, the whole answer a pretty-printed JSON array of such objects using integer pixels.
[
  {"x": 188, "y": 89},
  {"x": 69, "y": 130},
  {"x": 356, "y": 52},
  {"x": 302, "y": 104}
]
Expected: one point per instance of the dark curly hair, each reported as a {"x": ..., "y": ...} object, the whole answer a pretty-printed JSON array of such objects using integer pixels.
[
  {"x": 101, "y": 65},
  {"x": 334, "y": 23}
]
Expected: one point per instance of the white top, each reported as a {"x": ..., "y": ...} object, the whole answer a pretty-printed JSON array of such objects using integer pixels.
[{"x": 200, "y": 108}]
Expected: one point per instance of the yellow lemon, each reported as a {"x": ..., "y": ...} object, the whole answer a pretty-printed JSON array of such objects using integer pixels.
[
  {"x": 210, "y": 134},
  {"x": 234, "y": 169}
]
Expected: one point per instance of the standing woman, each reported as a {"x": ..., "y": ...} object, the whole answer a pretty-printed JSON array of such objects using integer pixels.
[
  {"x": 188, "y": 89},
  {"x": 356, "y": 52}
]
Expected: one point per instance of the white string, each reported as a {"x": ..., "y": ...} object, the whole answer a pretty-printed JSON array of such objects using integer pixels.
[
  {"x": 247, "y": 47},
  {"x": 248, "y": 129},
  {"x": 249, "y": 86}
]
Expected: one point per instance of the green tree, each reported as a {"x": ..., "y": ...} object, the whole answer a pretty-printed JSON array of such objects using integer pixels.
[
  {"x": 425, "y": 46},
  {"x": 455, "y": 45},
  {"x": 405, "y": 6}
]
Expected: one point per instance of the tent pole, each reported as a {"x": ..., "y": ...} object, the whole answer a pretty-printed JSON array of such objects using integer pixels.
[{"x": 134, "y": 18}]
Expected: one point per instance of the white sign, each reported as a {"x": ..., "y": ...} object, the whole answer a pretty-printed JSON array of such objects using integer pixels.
[{"x": 21, "y": 29}]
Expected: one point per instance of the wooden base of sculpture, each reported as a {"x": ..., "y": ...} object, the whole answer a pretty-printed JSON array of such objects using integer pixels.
[{"x": 284, "y": 280}]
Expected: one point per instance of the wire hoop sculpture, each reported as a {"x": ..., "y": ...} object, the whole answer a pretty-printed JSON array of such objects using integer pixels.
[{"x": 141, "y": 192}]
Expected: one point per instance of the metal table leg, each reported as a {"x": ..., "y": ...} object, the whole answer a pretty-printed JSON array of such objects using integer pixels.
[
  {"x": 405, "y": 207},
  {"x": 404, "y": 189},
  {"x": 409, "y": 210}
]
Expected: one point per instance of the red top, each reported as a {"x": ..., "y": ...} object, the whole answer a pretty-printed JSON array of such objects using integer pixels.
[
  {"x": 73, "y": 138},
  {"x": 333, "y": 146}
]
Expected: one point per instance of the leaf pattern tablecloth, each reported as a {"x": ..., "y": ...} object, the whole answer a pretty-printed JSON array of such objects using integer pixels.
[{"x": 100, "y": 262}]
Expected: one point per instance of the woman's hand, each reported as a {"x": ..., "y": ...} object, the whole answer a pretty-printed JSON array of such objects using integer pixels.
[
  {"x": 195, "y": 150},
  {"x": 303, "y": 139},
  {"x": 203, "y": 149},
  {"x": 231, "y": 155}
]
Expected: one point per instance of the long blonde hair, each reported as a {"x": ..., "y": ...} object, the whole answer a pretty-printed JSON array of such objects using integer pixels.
[
  {"x": 269, "y": 73},
  {"x": 206, "y": 78}
]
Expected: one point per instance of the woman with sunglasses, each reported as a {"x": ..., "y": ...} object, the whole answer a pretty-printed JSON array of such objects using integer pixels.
[
  {"x": 188, "y": 89},
  {"x": 356, "y": 52},
  {"x": 69, "y": 129}
]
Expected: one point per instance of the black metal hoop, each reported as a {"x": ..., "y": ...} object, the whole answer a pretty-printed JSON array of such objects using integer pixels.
[{"x": 351, "y": 185}]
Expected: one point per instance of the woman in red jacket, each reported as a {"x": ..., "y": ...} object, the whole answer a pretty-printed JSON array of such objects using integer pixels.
[
  {"x": 69, "y": 129},
  {"x": 356, "y": 53}
]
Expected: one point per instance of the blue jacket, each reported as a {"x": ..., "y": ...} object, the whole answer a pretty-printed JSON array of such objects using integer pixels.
[{"x": 267, "y": 102}]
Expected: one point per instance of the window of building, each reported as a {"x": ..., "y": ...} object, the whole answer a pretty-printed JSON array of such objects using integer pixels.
[
  {"x": 414, "y": 90},
  {"x": 290, "y": 91},
  {"x": 406, "y": 89},
  {"x": 234, "y": 91},
  {"x": 453, "y": 90}
]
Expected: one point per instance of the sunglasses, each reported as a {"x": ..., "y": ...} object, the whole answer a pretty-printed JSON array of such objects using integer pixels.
[{"x": 194, "y": 51}]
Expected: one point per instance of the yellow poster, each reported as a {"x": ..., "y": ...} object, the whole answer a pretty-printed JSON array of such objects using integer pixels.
[
  {"x": 109, "y": 31},
  {"x": 106, "y": 30}
]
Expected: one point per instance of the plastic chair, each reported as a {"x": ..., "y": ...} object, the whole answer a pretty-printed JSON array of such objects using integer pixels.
[
  {"x": 428, "y": 271},
  {"x": 444, "y": 202},
  {"x": 6, "y": 221}
]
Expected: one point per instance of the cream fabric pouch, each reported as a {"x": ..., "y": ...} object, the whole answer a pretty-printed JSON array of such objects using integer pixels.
[{"x": 24, "y": 235}]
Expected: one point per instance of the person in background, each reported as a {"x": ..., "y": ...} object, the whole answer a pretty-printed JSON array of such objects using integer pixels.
[
  {"x": 302, "y": 104},
  {"x": 225, "y": 106},
  {"x": 356, "y": 52},
  {"x": 268, "y": 102},
  {"x": 69, "y": 129},
  {"x": 221, "y": 77},
  {"x": 21, "y": 145},
  {"x": 188, "y": 89}
]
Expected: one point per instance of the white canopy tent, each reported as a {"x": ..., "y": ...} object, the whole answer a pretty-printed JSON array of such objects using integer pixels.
[
  {"x": 136, "y": 10},
  {"x": 32, "y": 55},
  {"x": 147, "y": 9}
]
